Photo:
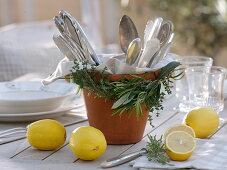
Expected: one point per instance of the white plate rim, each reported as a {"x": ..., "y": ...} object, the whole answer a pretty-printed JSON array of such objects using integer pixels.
[
  {"x": 41, "y": 99},
  {"x": 31, "y": 100},
  {"x": 60, "y": 109}
]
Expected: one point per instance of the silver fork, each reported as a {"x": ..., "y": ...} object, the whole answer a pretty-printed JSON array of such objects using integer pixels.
[
  {"x": 6, "y": 136},
  {"x": 12, "y": 131}
]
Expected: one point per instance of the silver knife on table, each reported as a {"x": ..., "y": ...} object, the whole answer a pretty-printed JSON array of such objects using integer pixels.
[{"x": 122, "y": 159}]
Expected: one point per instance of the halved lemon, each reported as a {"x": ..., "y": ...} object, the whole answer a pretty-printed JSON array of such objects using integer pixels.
[
  {"x": 180, "y": 127},
  {"x": 179, "y": 145}
]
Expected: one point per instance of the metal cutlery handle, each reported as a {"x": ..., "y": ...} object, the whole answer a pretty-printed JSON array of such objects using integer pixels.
[
  {"x": 12, "y": 131},
  {"x": 82, "y": 36},
  {"x": 122, "y": 159},
  {"x": 87, "y": 43},
  {"x": 65, "y": 48},
  {"x": 150, "y": 49},
  {"x": 159, "y": 55},
  {"x": 156, "y": 28},
  {"x": 75, "y": 46},
  {"x": 59, "y": 24},
  {"x": 69, "y": 33},
  {"x": 72, "y": 31},
  {"x": 8, "y": 140}
]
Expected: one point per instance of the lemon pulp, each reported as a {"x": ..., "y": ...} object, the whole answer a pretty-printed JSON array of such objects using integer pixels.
[
  {"x": 180, "y": 127},
  {"x": 179, "y": 145}
]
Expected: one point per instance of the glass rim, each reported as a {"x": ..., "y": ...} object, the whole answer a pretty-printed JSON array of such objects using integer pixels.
[
  {"x": 181, "y": 58},
  {"x": 218, "y": 68}
]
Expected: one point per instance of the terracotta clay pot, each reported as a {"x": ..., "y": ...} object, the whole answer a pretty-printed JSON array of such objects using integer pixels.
[{"x": 117, "y": 130}]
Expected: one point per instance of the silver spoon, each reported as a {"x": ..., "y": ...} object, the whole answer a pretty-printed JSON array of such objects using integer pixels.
[
  {"x": 147, "y": 30},
  {"x": 165, "y": 37},
  {"x": 165, "y": 33},
  {"x": 127, "y": 32},
  {"x": 152, "y": 43},
  {"x": 151, "y": 47},
  {"x": 133, "y": 51},
  {"x": 162, "y": 53},
  {"x": 155, "y": 28},
  {"x": 171, "y": 38}
]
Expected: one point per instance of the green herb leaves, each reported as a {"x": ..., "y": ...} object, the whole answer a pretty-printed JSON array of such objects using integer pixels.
[
  {"x": 165, "y": 71},
  {"x": 123, "y": 100},
  {"x": 156, "y": 150},
  {"x": 127, "y": 94}
]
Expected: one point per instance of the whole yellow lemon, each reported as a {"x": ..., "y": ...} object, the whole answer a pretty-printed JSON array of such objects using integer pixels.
[
  {"x": 204, "y": 121},
  {"x": 46, "y": 134},
  {"x": 87, "y": 143}
]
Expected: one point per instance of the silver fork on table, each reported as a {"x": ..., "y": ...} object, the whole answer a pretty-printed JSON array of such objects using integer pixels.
[{"x": 12, "y": 131}]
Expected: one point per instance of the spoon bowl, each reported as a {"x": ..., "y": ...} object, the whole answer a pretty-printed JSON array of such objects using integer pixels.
[
  {"x": 165, "y": 33},
  {"x": 133, "y": 51},
  {"x": 127, "y": 32}
]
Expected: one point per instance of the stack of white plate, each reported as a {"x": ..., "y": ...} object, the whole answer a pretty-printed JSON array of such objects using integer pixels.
[{"x": 28, "y": 101}]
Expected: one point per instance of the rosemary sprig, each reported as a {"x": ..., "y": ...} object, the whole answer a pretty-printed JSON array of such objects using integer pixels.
[
  {"x": 156, "y": 150},
  {"x": 126, "y": 94}
]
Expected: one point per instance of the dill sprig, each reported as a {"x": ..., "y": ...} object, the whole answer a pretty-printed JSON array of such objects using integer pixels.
[
  {"x": 127, "y": 94},
  {"x": 156, "y": 150}
]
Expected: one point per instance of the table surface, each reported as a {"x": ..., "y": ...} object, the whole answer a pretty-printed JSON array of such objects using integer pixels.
[{"x": 20, "y": 155}]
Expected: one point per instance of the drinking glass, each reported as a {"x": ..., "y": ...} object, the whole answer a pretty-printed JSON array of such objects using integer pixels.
[
  {"x": 181, "y": 86},
  {"x": 205, "y": 86}
]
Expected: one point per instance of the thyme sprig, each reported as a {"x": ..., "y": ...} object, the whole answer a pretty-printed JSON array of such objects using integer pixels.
[
  {"x": 127, "y": 94},
  {"x": 156, "y": 150}
]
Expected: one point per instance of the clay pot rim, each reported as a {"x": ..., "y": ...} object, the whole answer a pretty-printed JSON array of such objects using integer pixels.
[
  {"x": 147, "y": 75},
  {"x": 132, "y": 73}
]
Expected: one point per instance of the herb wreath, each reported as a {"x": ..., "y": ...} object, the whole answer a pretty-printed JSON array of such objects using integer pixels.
[{"x": 127, "y": 94}]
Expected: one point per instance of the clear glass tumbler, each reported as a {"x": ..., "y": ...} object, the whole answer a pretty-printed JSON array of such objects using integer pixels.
[
  {"x": 181, "y": 86},
  {"x": 206, "y": 87}
]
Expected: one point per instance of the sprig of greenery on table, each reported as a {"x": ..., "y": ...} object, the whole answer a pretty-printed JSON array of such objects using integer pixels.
[
  {"x": 127, "y": 94},
  {"x": 156, "y": 150}
]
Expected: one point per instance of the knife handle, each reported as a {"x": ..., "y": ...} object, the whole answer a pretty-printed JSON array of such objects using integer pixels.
[{"x": 122, "y": 159}]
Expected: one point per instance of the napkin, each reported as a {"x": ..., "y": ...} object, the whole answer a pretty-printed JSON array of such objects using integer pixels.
[
  {"x": 209, "y": 154},
  {"x": 115, "y": 64}
]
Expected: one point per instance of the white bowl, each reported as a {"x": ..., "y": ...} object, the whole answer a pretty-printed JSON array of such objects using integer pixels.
[{"x": 31, "y": 97}]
